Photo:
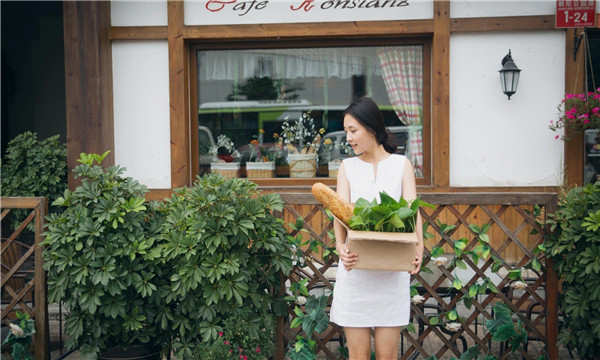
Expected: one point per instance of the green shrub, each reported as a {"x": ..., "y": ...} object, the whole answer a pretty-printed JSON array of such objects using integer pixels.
[
  {"x": 101, "y": 261},
  {"x": 227, "y": 254},
  {"x": 574, "y": 246},
  {"x": 34, "y": 168}
]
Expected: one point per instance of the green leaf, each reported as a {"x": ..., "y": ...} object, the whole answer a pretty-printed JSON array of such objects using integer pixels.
[
  {"x": 434, "y": 320},
  {"x": 437, "y": 251},
  {"x": 452, "y": 315},
  {"x": 457, "y": 284}
]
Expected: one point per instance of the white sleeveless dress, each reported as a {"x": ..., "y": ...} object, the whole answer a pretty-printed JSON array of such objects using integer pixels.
[{"x": 369, "y": 298}]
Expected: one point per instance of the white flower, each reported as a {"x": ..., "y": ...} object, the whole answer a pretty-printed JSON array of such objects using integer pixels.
[
  {"x": 453, "y": 326},
  {"x": 16, "y": 330},
  {"x": 518, "y": 285},
  {"x": 417, "y": 299},
  {"x": 300, "y": 300},
  {"x": 440, "y": 260}
]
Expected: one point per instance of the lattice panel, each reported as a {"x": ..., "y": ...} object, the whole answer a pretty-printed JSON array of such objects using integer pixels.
[
  {"x": 514, "y": 232},
  {"x": 23, "y": 281}
]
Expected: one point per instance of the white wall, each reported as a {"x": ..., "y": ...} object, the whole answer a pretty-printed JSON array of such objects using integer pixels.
[
  {"x": 141, "y": 110},
  {"x": 491, "y": 8},
  {"x": 494, "y": 141},
  {"x": 138, "y": 13}
]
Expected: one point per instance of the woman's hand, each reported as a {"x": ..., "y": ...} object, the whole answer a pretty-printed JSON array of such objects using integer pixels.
[
  {"x": 348, "y": 259},
  {"x": 417, "y": 262}
]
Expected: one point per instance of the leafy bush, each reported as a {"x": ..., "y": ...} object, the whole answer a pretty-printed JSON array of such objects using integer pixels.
[
  {"x": 20, "y": 337},
  {"x": 100, "y": 257},
  {"x": 227, "y": 254},
  {"x": 34, "y": 168},
  {"x": 574, "y": 246}
]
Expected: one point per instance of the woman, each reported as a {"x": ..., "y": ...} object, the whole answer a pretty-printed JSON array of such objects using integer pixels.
[{"x": 365, "y": 299}]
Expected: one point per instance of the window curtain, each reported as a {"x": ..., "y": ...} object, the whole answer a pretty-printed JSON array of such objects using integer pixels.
[{"x": 402, "y": 69}]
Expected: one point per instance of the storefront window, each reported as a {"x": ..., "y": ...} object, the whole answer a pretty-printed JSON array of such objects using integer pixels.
[{"x": 250, "y": 96}]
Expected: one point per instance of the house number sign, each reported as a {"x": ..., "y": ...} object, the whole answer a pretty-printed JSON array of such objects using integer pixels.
[{"x": 575, "y": 13}]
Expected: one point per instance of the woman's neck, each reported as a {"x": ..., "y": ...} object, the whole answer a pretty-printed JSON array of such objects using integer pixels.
[{"x": 376, "y": 155}]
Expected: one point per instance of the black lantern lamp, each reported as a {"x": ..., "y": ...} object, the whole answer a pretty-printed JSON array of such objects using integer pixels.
[{"x": 509, "y": 75}]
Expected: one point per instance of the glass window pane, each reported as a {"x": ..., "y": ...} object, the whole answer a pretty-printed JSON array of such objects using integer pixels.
[{"x": 247, "y": 95}]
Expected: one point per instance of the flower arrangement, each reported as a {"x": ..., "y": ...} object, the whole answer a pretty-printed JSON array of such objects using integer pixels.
[
  {"x": 260, "y": 154},
  {"x": 224, "y": 142},
  {"x": 578, "y": 112},
  {"x": 301, "y": 135}
]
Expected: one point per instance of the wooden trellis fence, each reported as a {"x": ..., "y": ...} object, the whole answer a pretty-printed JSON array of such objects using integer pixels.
[
  {"x": 22, "y": 277},
  {"x": 514, "y": 233}
]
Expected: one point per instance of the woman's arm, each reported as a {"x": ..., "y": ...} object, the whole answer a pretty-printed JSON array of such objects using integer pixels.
[
  {"x": 343, "y": 189},
  {"x": 409, "y": 192}
]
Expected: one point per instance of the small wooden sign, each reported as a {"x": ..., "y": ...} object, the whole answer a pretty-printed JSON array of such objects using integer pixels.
[{"x": 575, "y": 13}]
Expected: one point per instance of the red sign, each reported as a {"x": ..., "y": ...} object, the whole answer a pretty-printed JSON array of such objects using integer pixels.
[{"x": 575, "y": 13}]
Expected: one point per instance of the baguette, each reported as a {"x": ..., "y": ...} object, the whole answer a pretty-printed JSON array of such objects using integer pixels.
[{"x": 342, "y": 209}]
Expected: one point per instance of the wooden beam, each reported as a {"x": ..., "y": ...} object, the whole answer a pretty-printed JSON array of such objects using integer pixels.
[
  {"x": 180, "y": 164},
  {"x": 507, "y": 23},
  {"x": 574, "y": 83},
  {"x": 440, "y": 93},
  {"x": 138, "y": 33},
  {"x": 42, "y": 331},
  {"x": 88, "y": 81},
  {"x": 309, "y": 30}
]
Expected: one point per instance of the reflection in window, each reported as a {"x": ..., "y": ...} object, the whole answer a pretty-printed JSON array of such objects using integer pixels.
[{"x": 248, "y": 94}]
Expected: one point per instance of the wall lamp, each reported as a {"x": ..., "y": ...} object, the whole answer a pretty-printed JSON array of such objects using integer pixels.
[{"x": 509, "y": 75}]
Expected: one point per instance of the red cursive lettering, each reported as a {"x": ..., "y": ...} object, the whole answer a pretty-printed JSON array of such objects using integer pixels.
[
  {"x": 306, "y": 4},
  {"x": 217, "y": 5}
]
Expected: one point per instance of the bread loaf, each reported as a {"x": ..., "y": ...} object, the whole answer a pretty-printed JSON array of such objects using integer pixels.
[{"x": 333, "y": 201}]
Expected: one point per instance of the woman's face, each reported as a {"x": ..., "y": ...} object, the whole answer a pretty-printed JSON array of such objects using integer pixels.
[{"x": 358, "y": 136}]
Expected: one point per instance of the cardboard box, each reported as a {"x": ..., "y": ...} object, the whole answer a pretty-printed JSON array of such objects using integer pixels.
[{"x": 382, "y": 250}]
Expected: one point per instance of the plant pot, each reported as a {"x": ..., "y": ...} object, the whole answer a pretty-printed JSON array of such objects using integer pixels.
[
  {"x": 302, "y": 165},
  {"x": 131, "y": 352},
  {"x": 333, "y": 167},
  {"x": 256, "y": 170},
  {"x": 229, "y": 170}
]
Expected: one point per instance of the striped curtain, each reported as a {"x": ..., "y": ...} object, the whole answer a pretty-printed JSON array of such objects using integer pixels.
[{"x": 402, "y": 69}]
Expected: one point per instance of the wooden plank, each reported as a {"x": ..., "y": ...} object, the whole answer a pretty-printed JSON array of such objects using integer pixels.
[
  {"x": 551, "y": 299},
  {"x": 308, "y": 30},
  {"x": 194, "y": 151},
  {"x": 505, "y": 23},
  {"x": 426, "y": 130},
  {"x": 158, "y": 194},
  {"x": 180, "y": 164},
  {"x": 42, "y": 334},
  {"x": 440, "y": 93},
  {"x": 574, "y": 83},
  {"x": 138, "y": 33},
  {"x": 20, "y": 202},
  {"x": 7, "y": 244},
  {"x": 88, "y": 81}
]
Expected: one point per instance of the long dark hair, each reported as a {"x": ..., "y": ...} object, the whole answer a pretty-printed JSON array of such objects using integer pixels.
[{"x": 367, "y": 113}]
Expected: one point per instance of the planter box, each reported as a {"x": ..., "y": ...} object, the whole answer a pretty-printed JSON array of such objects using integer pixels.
[
  {"x": 257, "y": 170},
  {"x": 302, "y": 165},
  {"x": 228, "y": 170}
]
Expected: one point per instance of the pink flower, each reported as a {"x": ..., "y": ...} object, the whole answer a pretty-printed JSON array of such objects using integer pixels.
[
  {"x": 570, "y": 116},
  {"x": 241, "y": 356},
  {"x": 258, "y": 349},
  {"x": 597, "y": 96},
  {"x": 556, "y": 137},
  {"x": 586, "y": 121},
  {"x": 571, "y": 110},
  {"x": 584, "y": 116},
  {"x": 570, "y": 96},
  {"x": 220, "y": 333},
  {"x": 230, "y": 351},
  {"x": 245, "y": 357},
  {"x": 226, "y": 342},
  {"x": 581, "y": 96},
  {"x": 596, "y": 109},
  {"x": 598, "y": 89}
]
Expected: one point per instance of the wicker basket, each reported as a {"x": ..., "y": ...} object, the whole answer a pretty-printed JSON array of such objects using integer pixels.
[
  {"x": 256, "y": 170},
  {"x": 302, "y": 165},
  {"x": 228, "y": 170},
  {"x": 333, "y": 166}
]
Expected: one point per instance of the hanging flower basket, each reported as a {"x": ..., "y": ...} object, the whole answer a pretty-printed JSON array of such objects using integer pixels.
[{"x": 578, "y": 112}]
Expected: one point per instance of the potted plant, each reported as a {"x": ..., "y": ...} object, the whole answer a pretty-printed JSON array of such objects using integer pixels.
[
  {"x": 579, "y": 112},
  {"x": 226, "y": 157},
  {"x": 302, "y": 141},
  {"x": 261, "y": 162},
  {"x": 337, "y": 150},
  {"x": 99, "y": 254},
  {"x": 227, "y": 254}
]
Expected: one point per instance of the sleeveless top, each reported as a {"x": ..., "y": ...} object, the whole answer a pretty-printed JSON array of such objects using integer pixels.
[{"x": 370, "y": 298}]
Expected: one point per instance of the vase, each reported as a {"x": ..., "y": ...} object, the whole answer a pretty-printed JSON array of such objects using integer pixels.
[
  {"x": 228, "y": 170},
  {"x": 333, "y": 167},
  {"x": 302, "y": 165},
  {"x": 257, "y": 170}
]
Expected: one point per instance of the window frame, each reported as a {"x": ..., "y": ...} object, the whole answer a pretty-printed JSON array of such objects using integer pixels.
[{"x": 282, "y": 184}]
